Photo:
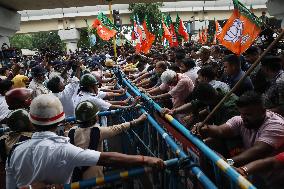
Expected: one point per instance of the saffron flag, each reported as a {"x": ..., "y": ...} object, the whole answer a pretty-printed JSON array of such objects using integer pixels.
[
  {"x": 105, "y": 28},
  {"x": 200, "y": 37},
  {"x": 169, "y": 23},
  {"x": 181, "y": 29},
  {"x": 218, "y": 28},
  {"x": 218, "y": 31},
  {"x": 137, "y": 35},
  {"x": 204, "y": 36},
  {"x": 166, "y": 34},
  {"x": 147, "y": 37},
  {"x": 240, "y": 30}
]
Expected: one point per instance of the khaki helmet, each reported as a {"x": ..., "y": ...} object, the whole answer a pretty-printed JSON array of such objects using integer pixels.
[
  {"x": 109, "y": 63},
  {"x": 46, "y": 109},
  {"x": 88, "y": 80},
  {"x": 18, "y": 120},
  {"x": 86, "y": 111}
]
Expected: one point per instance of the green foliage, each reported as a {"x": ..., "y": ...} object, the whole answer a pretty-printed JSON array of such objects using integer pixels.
[
  {"x": 37, "y": 41},
  {"x": 21, "y": 41},
  {"x": 49, "y": 40},
  {"x": 153, "y": 12},
  {"x": 84, "y": 41}
]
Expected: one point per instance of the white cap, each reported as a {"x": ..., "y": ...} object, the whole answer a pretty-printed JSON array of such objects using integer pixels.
[{"x": 46, "y": 109}]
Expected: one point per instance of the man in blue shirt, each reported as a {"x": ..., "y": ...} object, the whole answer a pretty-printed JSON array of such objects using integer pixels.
[{"x": 233, "y": 73}]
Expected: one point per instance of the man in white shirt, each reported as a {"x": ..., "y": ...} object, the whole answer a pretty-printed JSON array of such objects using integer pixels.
[
  {"x": 65, "y": 93},
  {"x": 189, "y": 68},
  {"x": 36, "y": 84},
  {"x": 5, "y": 85},
  {"x": 89, "y": 91},
  {"x": 49, "y": 158}
]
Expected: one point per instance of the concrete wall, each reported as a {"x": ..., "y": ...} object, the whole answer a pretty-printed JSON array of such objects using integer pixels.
[
  {"x": 4, "y": 40},
  {"x": 55, "y": 24}
]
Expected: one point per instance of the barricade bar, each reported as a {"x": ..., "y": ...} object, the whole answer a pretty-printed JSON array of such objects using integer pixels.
[
  {"x": 115, "y": 177},
  {"x": 104, "y": 113},
  {"x": 224, "y": 166},
  {"x": 206, "y": 182}
]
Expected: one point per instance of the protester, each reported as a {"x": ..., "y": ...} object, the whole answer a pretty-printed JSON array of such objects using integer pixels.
[
  {"x": 207, "y": 75},
  {"x": 187, "y": 81},
  {"x": 274, "y": 95},
  {"x": 179, "y": 86},
  {"x": 233, "y": 73},
  {"x": 258, "y": 79},
  {"x": 189, "y": 69},
  {"x": 261, "y": 131}
]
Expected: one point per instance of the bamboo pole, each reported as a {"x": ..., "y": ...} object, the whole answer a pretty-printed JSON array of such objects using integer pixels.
[
  {"x": 114, "y": 38},
  {"x": 253, "y": 66}
]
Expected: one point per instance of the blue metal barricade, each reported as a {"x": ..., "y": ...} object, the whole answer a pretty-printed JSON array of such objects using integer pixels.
[
  {"x": 161, "y": 141},
  {"x": 231, "y": 173}
]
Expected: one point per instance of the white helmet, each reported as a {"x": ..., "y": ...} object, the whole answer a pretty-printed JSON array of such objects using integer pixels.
[
  {"x": 168, "y": 76},
  {"x": 46, "y": 109}
]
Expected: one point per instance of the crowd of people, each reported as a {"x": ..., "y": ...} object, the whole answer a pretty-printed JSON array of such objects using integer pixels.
[{"x": 38, "y": 93}]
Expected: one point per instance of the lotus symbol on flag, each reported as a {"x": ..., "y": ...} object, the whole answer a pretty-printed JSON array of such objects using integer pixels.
[
  {"x": 143, "y": 34},
  {"x": 235, "y": 32},
  {"x": 219, "y": 30},
  {"x": 136, "y": 33},
  {"x": 245, "y": 39}
]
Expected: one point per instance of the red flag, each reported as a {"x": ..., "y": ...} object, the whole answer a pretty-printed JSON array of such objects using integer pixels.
[{"x": 181, "y": 29}]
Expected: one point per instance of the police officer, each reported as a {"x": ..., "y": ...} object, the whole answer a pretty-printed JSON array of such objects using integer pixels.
[
  {"x": 38, "y": 74},
  {"x": 89, "y": 135},
  {"x": 21, "y": 130},
  {"x": 50, "y": 158},
  {"x": 89, "y": 91}
]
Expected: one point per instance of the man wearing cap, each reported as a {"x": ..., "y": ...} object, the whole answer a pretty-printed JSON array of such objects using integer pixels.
[
  {"x": 36, "y": 84},
  {"x": 50, "y": 158},
  {"x": 89, "y": 91},
  {"x": 89, "y": 135}
]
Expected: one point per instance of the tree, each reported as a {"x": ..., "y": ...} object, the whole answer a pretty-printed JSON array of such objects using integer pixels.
[
  {"x": 50, "y": 40},
  {"x": 21, "y": 41},
  {"x": 40, "y": 40},
  {"x": 153, "y": 12}
]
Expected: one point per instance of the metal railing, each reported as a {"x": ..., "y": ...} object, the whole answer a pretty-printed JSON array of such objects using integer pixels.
[
  {"x": 217, "y": 161},
  {"x": 156, "y": 141}
]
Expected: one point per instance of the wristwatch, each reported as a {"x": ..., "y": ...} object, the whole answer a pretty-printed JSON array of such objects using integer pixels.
[{"x": 230, "y": 162}]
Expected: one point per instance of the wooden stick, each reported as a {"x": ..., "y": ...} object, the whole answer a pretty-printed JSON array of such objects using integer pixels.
[
  {"x": 253, "y": 66},
  {"x": 114, "y": 38}
]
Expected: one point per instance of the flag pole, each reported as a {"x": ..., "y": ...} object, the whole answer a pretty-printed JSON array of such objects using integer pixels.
[
  {"x": 253, "y": 66},
  {"x": 114, "y": 38}
]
